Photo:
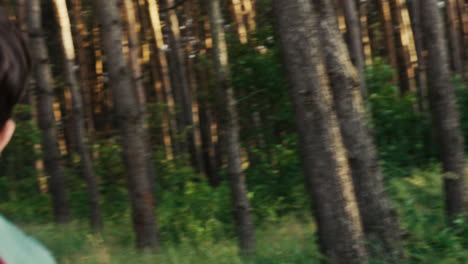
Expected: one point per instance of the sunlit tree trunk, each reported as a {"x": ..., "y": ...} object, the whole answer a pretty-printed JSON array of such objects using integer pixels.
[
  {"x": 366, "y": 42},
  {"x": 230, "y": 121},
  {"x": 378, "y": 216},
  {"x": 444, "y": 108},
  {"x": 326, "y": 169},
  {"x": 132, "y": 125},
  {"x": 406, "y": 52},
  {"x": 133, "y": 28},
  {"x": 87, "y": 75},
  {"x": 44, "y": 86},
  {"x": 78, "y": 117},
  {"x": 182, "y": 88},
  {"x": 237, "y": 12},
  {"x": 389, "y": 38},
  {"x": 153, "y": 10},
  {"x": 98, "y": 104}
]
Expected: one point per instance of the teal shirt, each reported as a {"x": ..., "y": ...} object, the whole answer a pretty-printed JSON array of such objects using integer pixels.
[{"x": 18, "y": 248}]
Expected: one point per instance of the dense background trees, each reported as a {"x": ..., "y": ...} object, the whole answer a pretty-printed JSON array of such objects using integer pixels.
[{"x": 199, "y": 122}]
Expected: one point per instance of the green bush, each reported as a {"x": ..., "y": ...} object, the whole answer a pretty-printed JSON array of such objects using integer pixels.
[{"x": 402, "y": 134}]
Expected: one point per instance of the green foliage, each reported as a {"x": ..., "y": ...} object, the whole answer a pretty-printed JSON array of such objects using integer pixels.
[
  {"x": 429, "y": 238},
  {"x": 17, "y": 171},
  {"x": 418, "y": 199},
  {"x": 403, "y": 135},
  {"x": 461, "y": 86}
]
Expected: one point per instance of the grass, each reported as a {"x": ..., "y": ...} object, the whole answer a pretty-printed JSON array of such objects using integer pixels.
[{"x": 418, "y": 200}]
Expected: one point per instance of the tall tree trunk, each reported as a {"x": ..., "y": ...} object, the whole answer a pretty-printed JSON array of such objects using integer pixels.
[
  {"x": 241, "y": 203},
  {"x": 153, "y": 10},
  {"x": 131, "y": 122},
  {"x": 137, "y": 78},
  {"x": 355, "y": 39},
  {"x": 181, "y": 85},
  {"x": 378, "y": 216},
  {"x": 190, "y": 9},
  {"x": 415, "y": 14},
  {"x": 326, "y": 168},
  {"x": 78, "y": 117},
  {"x": 236, "y": 6},
  {"x": 444, "y": 108},
  {"x": 389, "y": 38},
  {"x": 456, "y": 54},
  {"x": 87, "y": 74},
  {"x": 406, "y": 52},
  {"x": 134, "y": 51},
  {"x": 366, "y": 42},
  {"x": 44, "y": 86}
]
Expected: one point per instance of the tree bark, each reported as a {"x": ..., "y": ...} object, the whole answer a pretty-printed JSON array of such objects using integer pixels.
[
  {"x": 456, "y": 54},
  {"x": 44, "y": 86},
  {"x": 415, "y": 15},
  {"x": 387, "y": 22},
  {"x": 153, "y": 10},
  {"x": 230, "y": 122},
  {"x": 78, "y": 118},
  {"x": 87, "y": 74},
  {"x": 355, "y": 46},
  {"x": 406, "y": 52},
  {"x": 378, "y": 215},
  {"x": 444, "y": 108},
  {"x": 326, "y": 168},
  {"x": 181, "y": 85},
  {"x": 132, "y": 126}
]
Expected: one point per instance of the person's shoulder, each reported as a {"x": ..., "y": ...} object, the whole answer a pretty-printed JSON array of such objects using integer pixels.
[{"x": 18, "y": 248}]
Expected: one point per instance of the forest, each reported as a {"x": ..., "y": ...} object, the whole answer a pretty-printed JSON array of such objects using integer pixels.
[{"x": 242, "y": 131}]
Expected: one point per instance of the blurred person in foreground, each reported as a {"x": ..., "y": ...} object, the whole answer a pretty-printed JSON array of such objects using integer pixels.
[{"x": 15, "y": 246}]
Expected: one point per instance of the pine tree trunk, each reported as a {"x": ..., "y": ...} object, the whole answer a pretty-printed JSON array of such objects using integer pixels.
[
  {"x": 78, "y": 117},
  {"x": 44, "y": 79},
  {"x": 181, "y": 85},
  {"x": 87, "y": 75},
  {"x": 131, "y": 122},
  {"x": 230, "y": 122},
  {"x": 415, "y": 14},
  {"x": 326, "y": 168},
  {"x": 356, "y": 49},
  {"x": 406, "y": 52},
  {"x": 378, "y": 216},
  {"x": 444, "y": 108},
  {"x": 153, "y": 10},
  {"x": 456, "y": 53},
  {"x": 387, "y": 22}
]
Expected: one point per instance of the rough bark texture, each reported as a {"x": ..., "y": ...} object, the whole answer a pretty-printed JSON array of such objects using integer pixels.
[
  {"x": 378, "y": 216},
  {"x": 131, "y": 123},
  {"x": 444, "y": 108},
  {"x": 78, "y": 118},
  {"x": 44, "y": 86},
  {"x": 356, "y": 49},
  {"x": 326, "y": 168},
  {"x": 241, "y": 204}
]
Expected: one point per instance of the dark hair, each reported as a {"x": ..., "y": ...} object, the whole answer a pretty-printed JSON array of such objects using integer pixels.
[{"x": 14, "y": 67}]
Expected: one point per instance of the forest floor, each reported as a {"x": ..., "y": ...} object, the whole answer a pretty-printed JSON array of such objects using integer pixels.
[{"x": 291, "y": 239}]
